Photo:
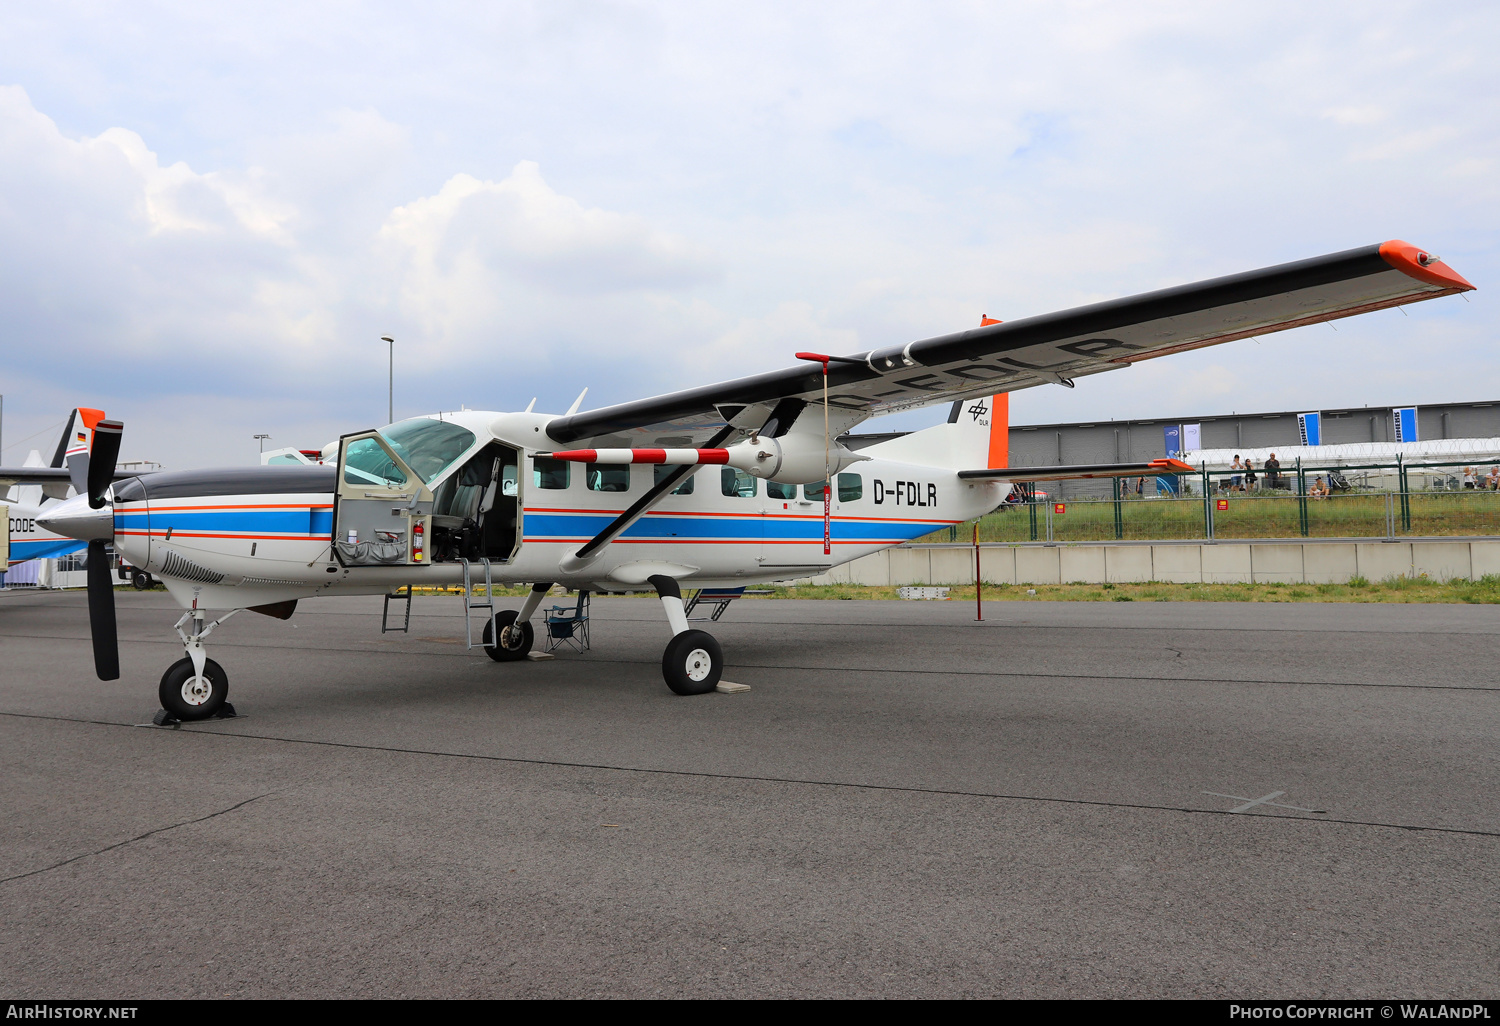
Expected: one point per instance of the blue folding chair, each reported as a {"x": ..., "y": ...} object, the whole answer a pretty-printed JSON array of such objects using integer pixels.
[{"x": 569, "y": 625}]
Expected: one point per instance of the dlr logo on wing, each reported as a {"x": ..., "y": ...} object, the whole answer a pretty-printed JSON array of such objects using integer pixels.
[{"x": 910, "y": 493}]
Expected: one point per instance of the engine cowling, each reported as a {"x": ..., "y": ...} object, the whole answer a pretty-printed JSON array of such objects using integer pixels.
[{"x": 791, "y": 459}]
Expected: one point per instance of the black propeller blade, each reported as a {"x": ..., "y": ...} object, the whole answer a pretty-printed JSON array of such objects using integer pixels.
[
  {"x": 99, "y": 471},
  {"x": 102, "y": 613},
  {"x": 102, "y": 456}
]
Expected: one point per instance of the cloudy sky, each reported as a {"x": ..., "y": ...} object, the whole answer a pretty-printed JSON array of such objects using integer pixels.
[{"x": 209, "y": 215}]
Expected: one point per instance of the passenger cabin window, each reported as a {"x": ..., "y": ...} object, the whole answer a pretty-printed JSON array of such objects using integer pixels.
[
  {"x": 850, "y": 487},
  {"x": 367, "y": 463},
  {"x": 737, "y": 482},
  {"x": 659, "y": 474},
  {"x": 781, "y": 491},
  {"x": 814, "y": 491},
  {"x": 285, "y": 460},
  {"x": 549, "y": 473},
  {"x": 509, "y": 480},
  {"x": 605, "y": 478}
]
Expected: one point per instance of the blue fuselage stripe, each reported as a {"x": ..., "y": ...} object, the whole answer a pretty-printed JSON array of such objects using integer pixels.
[
  {"x": 572, "y": 525},
  {"x": 21, "y": 551},
  {"x": 541, "y": 526},
  {"x": 280, "y": 522}
]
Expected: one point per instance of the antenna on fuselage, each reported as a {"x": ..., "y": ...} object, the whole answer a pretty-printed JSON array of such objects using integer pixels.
[
  {"x": 576, "y": 403},
  {"x": 530, "y": 405}
]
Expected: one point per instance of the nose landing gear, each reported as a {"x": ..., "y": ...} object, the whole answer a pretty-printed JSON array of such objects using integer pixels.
[
  {"x": 195, "y": 687},
  {"x": 188, "y": 694}
]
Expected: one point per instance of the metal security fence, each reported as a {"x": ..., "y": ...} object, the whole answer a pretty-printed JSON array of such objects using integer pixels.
[{"x": 1219, "y": 504}]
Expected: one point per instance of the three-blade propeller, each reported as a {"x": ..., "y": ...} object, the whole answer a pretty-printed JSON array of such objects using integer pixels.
[{"x": 101, "y": 470}]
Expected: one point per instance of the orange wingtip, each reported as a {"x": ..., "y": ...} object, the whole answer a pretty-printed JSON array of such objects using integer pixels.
[
  {"x": 1422, "y": 265},
  {"x": 1173, "y": 466}
]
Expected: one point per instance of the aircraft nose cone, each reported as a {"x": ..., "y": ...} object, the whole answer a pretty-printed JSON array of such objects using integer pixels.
[{"x": 76, "y": 519}]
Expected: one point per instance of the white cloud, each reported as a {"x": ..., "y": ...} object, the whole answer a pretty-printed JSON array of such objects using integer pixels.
[{"x": 474, "y": 256}]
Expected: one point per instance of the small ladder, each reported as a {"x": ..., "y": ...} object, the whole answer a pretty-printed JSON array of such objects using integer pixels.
[
  {"x": 470, "y": 605},
  {"x": 401, "y": 594}
]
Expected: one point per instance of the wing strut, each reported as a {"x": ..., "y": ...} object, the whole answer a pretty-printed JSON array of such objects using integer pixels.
[{"x": 654, "y": 494}]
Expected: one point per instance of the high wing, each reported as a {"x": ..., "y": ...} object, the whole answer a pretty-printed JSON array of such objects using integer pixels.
[{"x": 1051, "y": 348}]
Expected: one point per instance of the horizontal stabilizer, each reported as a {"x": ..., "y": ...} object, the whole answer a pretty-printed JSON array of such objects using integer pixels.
[
  {"x": 48, "y": 475},
  {"x": 1168, "y": 466}
]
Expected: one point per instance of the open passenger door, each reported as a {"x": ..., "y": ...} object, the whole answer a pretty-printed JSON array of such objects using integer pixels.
[{"x": 383, "y": 509}]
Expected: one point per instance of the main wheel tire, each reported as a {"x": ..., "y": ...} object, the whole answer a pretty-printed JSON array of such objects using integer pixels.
[
  {"x": 514, "y": 643},
  {"x": 190, "y": 698},
  {"x": 140, "y": 580},
  {"x": 692, "y": 663}
]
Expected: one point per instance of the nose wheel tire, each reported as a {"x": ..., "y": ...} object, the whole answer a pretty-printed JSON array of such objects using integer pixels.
[
  {"x": 692, "y": 663},
  {"x": 190, "y": 697},
  {"x": 515, "y": 639}
]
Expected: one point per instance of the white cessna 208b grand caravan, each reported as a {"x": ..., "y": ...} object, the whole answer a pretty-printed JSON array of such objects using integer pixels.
[{"x": 613, "y": 498}]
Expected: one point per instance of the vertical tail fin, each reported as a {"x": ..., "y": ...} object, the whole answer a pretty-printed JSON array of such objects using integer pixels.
[
  {"x": 75, "y": 445},
  {"x": 62, "y": 443},
  {"x": 976, "y": 437}
]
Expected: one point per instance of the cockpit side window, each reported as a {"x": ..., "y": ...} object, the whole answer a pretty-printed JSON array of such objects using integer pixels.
[{"x": 366, "y": 462}]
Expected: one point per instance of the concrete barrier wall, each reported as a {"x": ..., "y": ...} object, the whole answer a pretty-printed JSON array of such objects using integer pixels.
[{"x": 1292, "y": 562}]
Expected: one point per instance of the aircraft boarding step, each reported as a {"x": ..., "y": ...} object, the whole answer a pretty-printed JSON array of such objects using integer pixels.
[
  {"x": 470, "y": 605},
  {"x": 401, "y": 594}
]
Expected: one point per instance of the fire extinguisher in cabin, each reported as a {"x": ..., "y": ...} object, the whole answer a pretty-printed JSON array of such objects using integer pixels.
[{"x": 417, "y": 537}]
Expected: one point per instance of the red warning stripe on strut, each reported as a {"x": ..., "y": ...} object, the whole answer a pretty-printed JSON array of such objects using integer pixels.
[{"x": 683, "y": 457}]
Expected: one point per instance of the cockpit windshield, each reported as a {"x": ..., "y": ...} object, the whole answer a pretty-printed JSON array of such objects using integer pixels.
[{"x": 428, "y": 446}]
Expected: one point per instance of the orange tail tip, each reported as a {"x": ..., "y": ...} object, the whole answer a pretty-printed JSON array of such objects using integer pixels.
[
  {"x": 999, "y": 454},
  {"x": 1422, "y": 265}
]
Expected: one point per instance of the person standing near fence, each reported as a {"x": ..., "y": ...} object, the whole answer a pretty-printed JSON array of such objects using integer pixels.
[
  {"x": 1470, "y": 477},
  {"x": 1237, "y": 480},
  {"x": 1272, "y": 468},
  {"x": 1249, "y": 476}
]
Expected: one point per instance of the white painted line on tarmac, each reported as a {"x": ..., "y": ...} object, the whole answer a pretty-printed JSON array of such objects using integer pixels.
[{"x": 1251, "y": 803}]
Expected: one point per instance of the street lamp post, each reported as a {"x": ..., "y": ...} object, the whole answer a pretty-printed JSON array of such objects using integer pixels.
[
  {"x": 262, "y": 440},
  {"x": 390, "y": 413}
]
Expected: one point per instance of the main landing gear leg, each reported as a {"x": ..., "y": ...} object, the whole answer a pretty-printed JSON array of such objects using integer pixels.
[
  {"x": 515, "y": 631},
  {"x": 194, "y": 687},
  {"x": 693, "y": 661}
]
